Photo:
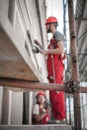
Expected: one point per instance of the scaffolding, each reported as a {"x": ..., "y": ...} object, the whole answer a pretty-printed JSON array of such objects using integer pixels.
[{"x": 73, "y": 87}]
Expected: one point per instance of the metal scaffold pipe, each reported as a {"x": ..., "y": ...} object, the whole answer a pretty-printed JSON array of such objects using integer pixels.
[
  {"x": 30, "y": 85},
  {"x": 74, "y": 59},
  {"x": 67, "y": 87}
]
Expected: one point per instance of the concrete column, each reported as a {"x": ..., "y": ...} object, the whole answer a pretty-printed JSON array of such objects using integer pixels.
[
  {"x": 27, "y": 107},
  {"x": 5, "y": 107},
  {"x": 1, "y": 95},
  {"x": 16, "y": 112}
]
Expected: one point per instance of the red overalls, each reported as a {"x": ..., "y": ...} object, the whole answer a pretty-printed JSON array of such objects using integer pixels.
[
  {"x": 55, "y": 69},
  {"x": 45, "y": 120}
]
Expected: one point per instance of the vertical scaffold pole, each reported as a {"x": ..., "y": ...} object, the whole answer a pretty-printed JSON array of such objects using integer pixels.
[{"x": 74, "y": 59}]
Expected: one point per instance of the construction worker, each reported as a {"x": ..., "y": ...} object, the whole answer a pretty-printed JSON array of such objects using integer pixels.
[
  {"x": 55, "y": 66},
  {"x": 41, "y": 109}
]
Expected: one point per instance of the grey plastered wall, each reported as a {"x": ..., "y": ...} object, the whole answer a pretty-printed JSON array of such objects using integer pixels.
[{"x": 4, "y": 6}]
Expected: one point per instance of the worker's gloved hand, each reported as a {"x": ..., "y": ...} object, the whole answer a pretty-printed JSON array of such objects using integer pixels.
[
  {"x": 38, "y": 44},
  {"x": 35, "y": 49}
]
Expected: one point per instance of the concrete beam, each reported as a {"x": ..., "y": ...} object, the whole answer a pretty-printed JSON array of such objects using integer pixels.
[
  {"x": 36, "y": 127},
  {"x": 14, "y": 60}
]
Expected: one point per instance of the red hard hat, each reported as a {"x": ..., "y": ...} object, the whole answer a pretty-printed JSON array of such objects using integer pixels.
[
  {"x": 40, "y": 93},
  {"x": 51, "y": 19}
]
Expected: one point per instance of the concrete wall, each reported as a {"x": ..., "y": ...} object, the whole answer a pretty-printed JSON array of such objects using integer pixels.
[
  {"x": 20, "y": 16},
  {"x": 30, "y": 16},
  {"x": 4, "y": 6}
]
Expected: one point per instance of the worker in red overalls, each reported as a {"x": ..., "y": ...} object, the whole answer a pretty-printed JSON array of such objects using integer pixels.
[
  {"x": 41, "y": 110},
  {"x": 55, "y": 66}
]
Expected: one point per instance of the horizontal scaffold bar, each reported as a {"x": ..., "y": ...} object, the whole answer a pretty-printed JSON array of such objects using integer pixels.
[{"x": 31, "y": 85}]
